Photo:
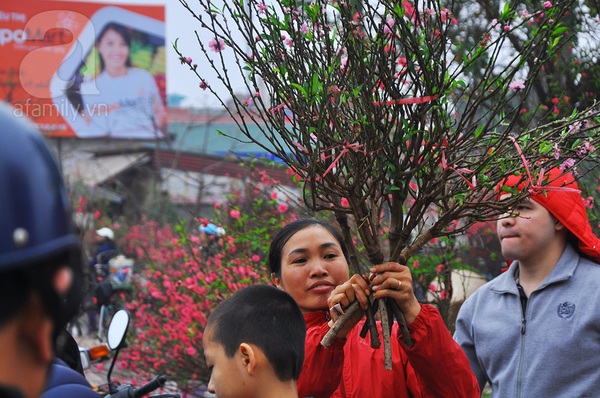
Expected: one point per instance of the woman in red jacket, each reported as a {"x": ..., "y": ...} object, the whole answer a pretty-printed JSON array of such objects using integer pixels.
[{"x": 308, "y": 259}]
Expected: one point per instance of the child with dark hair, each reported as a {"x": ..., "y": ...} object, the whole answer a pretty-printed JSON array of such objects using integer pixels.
[{"x": 254, "y": 344}]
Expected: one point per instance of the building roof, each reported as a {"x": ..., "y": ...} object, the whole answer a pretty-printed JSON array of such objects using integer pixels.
[
  {"x": 215, "y": 132},
  {"x": 96, "y": 170}
]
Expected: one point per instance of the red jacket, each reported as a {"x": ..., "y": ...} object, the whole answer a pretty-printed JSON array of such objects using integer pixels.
[{"x": 434, "y": 367}]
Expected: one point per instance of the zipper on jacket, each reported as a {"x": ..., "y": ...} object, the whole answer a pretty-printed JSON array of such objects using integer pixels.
[{"x": 523, "y": 298}]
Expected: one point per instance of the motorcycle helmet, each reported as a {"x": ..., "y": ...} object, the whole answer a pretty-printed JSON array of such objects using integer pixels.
[{"x": 35, "y": 221}]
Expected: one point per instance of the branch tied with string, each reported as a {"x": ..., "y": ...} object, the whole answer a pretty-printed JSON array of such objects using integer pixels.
[
  {"x": 536, "y": 188},
  {"x": 388, "y": 308},
  {"x": 459, "y": 171}
]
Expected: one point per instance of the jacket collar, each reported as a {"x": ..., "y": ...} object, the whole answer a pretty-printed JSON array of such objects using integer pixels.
[
  {"x": 563, "y": 270},
  {"x": 315, "y": 318}
]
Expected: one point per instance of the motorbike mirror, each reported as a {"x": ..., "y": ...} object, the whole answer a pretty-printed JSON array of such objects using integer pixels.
[{"x": 117, "y": 329}]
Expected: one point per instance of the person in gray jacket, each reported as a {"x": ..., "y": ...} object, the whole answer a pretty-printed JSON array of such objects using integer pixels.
[{"x": 534, "y": 331}]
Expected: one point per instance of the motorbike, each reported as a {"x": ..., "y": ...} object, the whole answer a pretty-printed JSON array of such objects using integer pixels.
[{"x": 115, "y": 340}]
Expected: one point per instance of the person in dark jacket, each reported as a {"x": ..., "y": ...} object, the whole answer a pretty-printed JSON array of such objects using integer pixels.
[
  {"x": 40, "y": 258},
  {"x": 67, "y": 379},
  {"x": 107, "y": 249},
  {"x": 100, "y": 273}
]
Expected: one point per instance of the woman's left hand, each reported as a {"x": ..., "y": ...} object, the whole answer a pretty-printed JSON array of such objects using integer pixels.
[{"x": 394, "y": 280}]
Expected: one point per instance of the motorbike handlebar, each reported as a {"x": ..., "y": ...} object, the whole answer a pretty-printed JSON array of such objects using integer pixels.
[
  {"x": 128, "y": 391},
  {"x": 146, "y": 389}
]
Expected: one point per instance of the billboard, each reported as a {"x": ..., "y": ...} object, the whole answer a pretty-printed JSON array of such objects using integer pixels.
[{"x": 85, "y": 70}]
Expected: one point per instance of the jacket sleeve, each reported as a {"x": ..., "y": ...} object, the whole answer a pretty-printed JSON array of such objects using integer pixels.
[
  {"x": 322, "y": 370},
  {"x": 440, "y": 365},
  {"x": 464, "y": 338}
]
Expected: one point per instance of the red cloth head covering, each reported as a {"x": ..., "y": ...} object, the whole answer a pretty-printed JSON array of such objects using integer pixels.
[{"x": 560, "y": 195}]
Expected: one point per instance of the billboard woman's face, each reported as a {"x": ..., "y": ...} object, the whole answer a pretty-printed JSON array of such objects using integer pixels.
[{"x": 114, "y": 50}]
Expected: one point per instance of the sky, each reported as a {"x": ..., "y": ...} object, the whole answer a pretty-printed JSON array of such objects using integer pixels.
[{"x": 180, "y": 25}]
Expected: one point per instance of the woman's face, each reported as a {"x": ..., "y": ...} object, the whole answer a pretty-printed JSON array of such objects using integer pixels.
[
  {"x": 113, "y": 49},
  {"x": 312, "y": 265}
]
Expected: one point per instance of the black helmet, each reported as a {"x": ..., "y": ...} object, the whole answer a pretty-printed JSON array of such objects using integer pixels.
[
  {"x": 35, "y": 220},
  {"x": 36, "y": 227}
]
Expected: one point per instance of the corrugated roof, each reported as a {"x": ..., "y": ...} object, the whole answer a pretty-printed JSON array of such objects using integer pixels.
[{"x": 95, "y": 170}]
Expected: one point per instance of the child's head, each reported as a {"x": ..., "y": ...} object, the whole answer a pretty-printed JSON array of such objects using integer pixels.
[{"x": 256, "y": 322}]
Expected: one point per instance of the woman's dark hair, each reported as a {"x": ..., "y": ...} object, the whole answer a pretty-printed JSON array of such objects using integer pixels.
[
  {"x": 123, "y": 32},
  {"x": 290, "y": 230}
]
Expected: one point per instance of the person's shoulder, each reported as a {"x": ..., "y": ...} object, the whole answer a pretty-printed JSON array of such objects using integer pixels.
[
  {"x": 109, "y": 245},
  {"x": 483, "y": 292},
  {"x": 587, "y": 269},
  {"x": 89, "y": 86},
  {"x": 586, "y": 262},
  {"x": 66, "y": 382}
]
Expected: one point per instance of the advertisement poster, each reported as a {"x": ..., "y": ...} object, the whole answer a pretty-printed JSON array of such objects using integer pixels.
[{"x": 85, "y": 70}]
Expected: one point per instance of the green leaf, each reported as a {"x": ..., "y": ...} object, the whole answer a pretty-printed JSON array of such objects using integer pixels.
[
  {"x": 559, "y": 30},
  {"x": 545, "y": 147},
  {"x": 478, "y": 131},
  {"x": 300, "y": 88},
  {"x": 507, "y": 12},
  {"x": 316, "y": 84}
]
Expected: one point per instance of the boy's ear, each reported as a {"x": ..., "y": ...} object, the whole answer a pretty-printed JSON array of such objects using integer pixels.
[{"x": 249, "y": 357}]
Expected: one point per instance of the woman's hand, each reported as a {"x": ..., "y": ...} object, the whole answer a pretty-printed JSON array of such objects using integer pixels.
[
  {"x": 356, "y": 288},
  {"x": 395, "y": 281}
]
